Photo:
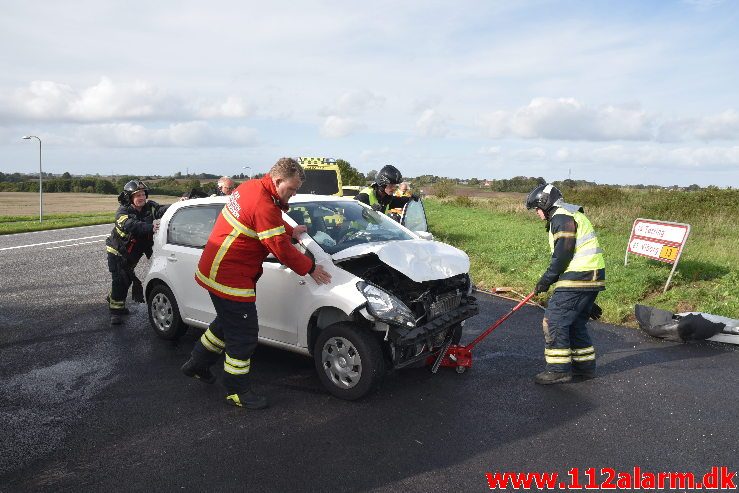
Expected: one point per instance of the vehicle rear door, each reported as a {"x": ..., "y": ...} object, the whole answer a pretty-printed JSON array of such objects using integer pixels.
[{"x": 187, "y": 234}]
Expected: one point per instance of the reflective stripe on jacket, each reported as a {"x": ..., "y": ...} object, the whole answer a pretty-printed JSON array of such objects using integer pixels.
[
  {"x": 133, "y": 231},
  {"x": 249, "y": 228},
  {"x": 372, "y": 195},
  {"x": 586, "y": 267}
]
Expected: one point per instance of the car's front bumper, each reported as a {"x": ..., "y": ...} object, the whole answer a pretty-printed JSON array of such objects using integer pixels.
[{"x": 415, "y": 344}]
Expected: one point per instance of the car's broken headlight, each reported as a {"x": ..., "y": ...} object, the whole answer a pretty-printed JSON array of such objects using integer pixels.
[{"x": 385, "y": 306}]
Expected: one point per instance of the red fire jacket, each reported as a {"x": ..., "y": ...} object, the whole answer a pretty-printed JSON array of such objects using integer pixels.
[{"x": 249, "y": 227}]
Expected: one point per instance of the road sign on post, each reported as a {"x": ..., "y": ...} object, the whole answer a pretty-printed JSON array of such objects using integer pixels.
[{"x": 658, "y": 240}]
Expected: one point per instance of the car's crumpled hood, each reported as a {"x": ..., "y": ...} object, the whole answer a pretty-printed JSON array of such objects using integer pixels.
[{"x": 420, "y": 260}]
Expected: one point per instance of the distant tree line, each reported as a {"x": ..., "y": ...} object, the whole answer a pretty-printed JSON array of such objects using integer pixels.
[{"x": 178, "y": 184}]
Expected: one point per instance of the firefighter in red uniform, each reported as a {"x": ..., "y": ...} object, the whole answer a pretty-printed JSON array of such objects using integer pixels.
[{"x": 249, "y": 228}]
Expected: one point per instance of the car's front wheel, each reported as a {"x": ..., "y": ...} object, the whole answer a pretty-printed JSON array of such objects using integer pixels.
[
  {"x": 349, "y": 360},
  {"x": 164, "y": 314}
]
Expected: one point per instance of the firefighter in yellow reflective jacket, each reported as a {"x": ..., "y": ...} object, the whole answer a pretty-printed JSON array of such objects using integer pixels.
[
  {"x": 381, "y": 194},
  {"x": 132, "y": 236},
  {"x": 577, "y": 273}
]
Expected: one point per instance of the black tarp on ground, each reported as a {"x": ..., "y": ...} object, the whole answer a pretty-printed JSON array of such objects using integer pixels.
[{"x": 674, "y": 327}]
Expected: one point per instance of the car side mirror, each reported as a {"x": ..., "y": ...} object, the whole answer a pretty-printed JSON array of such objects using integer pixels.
[{"x": 424, "y": 235}]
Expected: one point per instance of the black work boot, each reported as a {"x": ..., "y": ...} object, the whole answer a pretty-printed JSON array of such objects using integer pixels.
[
  {"x": 248, "y": 399},
  {"x": 245, "y": 397},
  {"x": 120, "y": 311},
  {"x": 583, "y": 374},
  {"x": 550, "y": 377},
  {"x": 192, "y": 369}
]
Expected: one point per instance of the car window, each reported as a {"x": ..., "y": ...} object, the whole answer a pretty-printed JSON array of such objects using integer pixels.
[
  {"x": 320, "y": 181},
  {"x": 415, "y": 216},
  {"x": 191, "y": 226},
  {"x": 342, "y": 224}
]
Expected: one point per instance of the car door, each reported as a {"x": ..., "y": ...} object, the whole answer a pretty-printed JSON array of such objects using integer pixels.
[
  {"x": 281, "y": 295},
  {"x": 414, "y": 217},
  {"x": 187, "y": 234}
]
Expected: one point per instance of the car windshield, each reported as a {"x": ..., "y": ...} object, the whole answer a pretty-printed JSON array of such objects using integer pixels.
[{"x": 341, "y": 224}]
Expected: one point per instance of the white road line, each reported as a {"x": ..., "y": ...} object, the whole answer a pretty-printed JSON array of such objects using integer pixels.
[
  {"x": 74, "y": 244},
  {"x": 51, "y": 242}
]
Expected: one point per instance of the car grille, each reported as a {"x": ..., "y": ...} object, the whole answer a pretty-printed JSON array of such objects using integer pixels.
[{"x": 444, "y": 304}]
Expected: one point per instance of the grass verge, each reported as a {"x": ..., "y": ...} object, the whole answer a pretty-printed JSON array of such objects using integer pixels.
[
  {"x": 24, "y": 224},
  {"x": 508, "y": 247}
]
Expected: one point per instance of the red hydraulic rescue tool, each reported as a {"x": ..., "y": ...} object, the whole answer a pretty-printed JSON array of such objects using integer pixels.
[{"x": 460, "y": 357}]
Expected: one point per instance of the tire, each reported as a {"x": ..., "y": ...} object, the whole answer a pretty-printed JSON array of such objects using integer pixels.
[
  {"x": 164, "y": 313},
  {"x": 348, "y": 360}
]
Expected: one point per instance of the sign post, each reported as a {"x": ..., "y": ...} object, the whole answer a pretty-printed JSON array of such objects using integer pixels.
[{"x": 658, "y": 240}]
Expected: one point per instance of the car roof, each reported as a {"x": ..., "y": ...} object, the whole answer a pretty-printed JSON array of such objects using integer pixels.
[{"x": 299, "y": 198}]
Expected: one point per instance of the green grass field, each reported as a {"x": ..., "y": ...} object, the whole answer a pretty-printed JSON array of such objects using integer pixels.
[
  {"x": 508, "y": 247},
  {"x": 23, "y": 224}
]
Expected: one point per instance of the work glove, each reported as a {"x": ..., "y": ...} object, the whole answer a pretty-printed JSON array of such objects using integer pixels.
[
  {"x": 541, "y": 287},
  {"x": 596, "y": 312},
  {"x": 377, "y": 207}
]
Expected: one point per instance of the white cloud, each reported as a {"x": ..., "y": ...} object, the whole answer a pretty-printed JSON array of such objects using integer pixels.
[
  {"x": 356, "y": 102},
  {"x": 568, "y": 119},
  {"x": 190, "y": 134},
  {"x": 335, "y": 127},
  {"x": 233, "y": 107},
  {"x": 109, "y": 101},
  {"x": 724, "y": 126},
  {"x": 432, "y": 124},
  {"x": 490, "y": 151}
]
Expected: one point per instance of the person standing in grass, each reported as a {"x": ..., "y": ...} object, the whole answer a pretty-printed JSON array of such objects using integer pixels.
[{"x": 577, "y": 273}]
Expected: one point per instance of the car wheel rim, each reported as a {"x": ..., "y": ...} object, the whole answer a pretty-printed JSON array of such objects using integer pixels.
[
  {"x": 341, "y": 362},
  {"x": 161, "y": 312}
]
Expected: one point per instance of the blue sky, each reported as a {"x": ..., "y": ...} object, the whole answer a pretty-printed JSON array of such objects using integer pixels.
[{"x": 613, "y": 92}]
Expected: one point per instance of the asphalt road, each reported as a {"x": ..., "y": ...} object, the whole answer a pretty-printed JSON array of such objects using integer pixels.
[{"x": 87, "y": 407}]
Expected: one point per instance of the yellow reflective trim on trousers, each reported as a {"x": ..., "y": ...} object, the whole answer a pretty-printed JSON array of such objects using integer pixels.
[
  {"x": 245, "y": 293},
  {"x": 585, "y": 350},
  {"x": 557, "y": 351},
  {"x": 213, "y": 339},
  {"x": 233, "y": 370},
  {"x": 209, "y": 346},
  {"x": 227, "y": 242},
  {"x": 557, "y": 360},
  {"x": 235, "y": 399},
  {"x": 211, "y": 342},
  {"x": 587, "y": 357},
  {"x": 237, "y": 225},
  {"x": 236, "y": 366},
  {"x": 269, "y": 233},
  {"x": 579, "y": 284},
  {"x": 112, "y": 250},
  {"x": 238, "y": 363}
]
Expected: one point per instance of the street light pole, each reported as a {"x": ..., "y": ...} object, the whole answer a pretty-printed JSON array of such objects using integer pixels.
[{"x": 40, "y": 181}]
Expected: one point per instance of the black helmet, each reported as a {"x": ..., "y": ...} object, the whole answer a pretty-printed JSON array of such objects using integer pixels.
[
  {"x": 543, "y": 197},
  {"x": 130, "y": 188},
  {"x": 388, "y": 175}
]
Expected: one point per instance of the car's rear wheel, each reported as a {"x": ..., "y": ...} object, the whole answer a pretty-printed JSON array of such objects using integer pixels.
[
  {"x": 349, "y": 360},
  {"x": 164, "y": 314}
]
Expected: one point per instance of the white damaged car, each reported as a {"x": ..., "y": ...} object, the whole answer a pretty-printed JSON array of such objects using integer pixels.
[{"x": 396, "y": 296}]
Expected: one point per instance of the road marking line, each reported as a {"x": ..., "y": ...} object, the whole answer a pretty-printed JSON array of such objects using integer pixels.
[
  {"x": 51, "y": 242},
  {"x": 74, "y": 244}
]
